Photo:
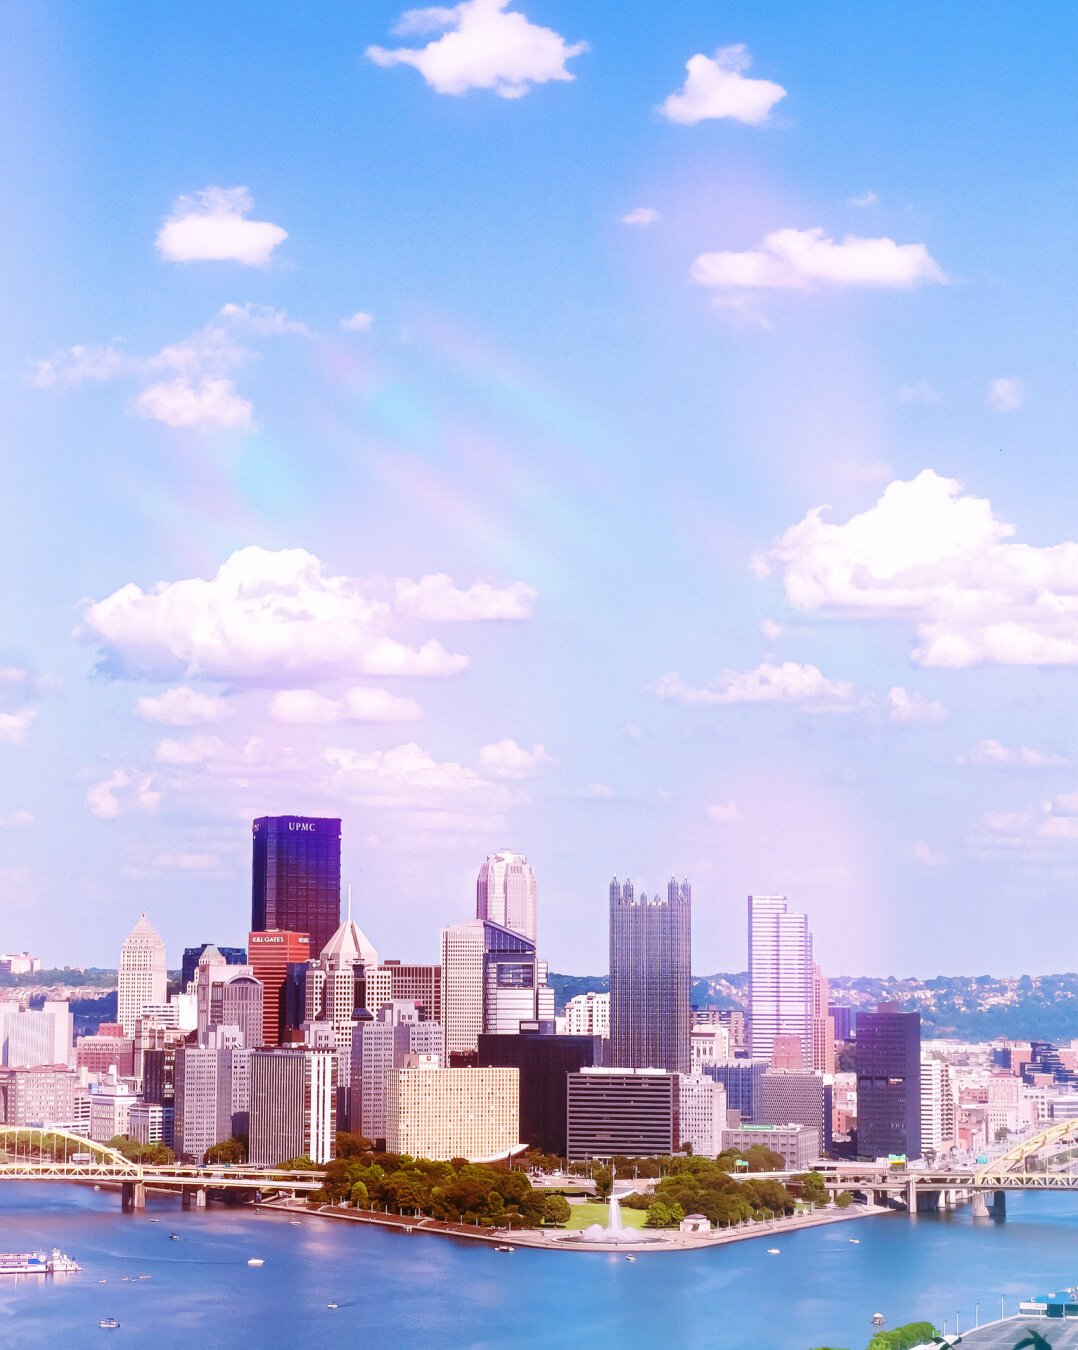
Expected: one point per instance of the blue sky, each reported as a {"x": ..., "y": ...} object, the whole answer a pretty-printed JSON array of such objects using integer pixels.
[{"x": 293, "y": 325}]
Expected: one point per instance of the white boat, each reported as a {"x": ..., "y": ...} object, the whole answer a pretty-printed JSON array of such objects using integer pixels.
[
  {"x": 856, "y": 1241},
  {"x": 107, "y": 1323},
  {"x": 255, "y": 1261},
  {"x": 37, "y": 1263},
  {"x": 774, "y": 1251},
  {"x": 333, "y": 1305},
  {"x": 630, "y": 1258}
]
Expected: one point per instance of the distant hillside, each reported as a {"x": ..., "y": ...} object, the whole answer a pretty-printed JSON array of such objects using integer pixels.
[{"x": 969, "y": 1007}]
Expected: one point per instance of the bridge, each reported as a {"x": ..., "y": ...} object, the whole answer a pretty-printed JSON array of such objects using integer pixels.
[{"x": 60, "y": 1156}]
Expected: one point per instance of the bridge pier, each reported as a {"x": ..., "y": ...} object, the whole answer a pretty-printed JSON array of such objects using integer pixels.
[
  {"x": 193, "y": 1196},
  {"x": 928, "y": 1202},
  {"x": 980, "y": 1208},
  {"x": 133, "y": 1195},
  {"x": 999, "y": 1204},
  {"x": 911, "y": 1196}
]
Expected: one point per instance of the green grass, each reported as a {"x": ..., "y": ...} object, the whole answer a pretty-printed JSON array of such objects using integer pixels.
[{"x": 580, "y": 1216}]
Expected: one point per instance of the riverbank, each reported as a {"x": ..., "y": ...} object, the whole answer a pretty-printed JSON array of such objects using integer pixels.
[{"x": 565, "y": 1240}]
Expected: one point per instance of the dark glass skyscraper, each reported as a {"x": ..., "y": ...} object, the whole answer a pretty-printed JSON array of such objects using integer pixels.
[
  {"x": 296, "y": 877},
  {"x": 650, "y": 978},
  {"x": 888, "y": 1082}
]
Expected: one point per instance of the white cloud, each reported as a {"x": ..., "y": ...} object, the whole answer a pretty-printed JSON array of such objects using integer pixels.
[
  {"x": 642, "y": 215},
  {"x": 998, "y": 755},
  {"x": 182, "y": 707},
  {"x": 14, "y": 726},
  {"x": 598, "y": 792},
  {"x": 212, "y": 225},
  {"x": 360, "y": 322},
  {"x": 78, "y": 364},
  {"x": 21, "y": 819},
  {"x": 904, "y": 707},
  {"x": 716, "y": 87},
  {"x": 267, "y": 617},
  {"x": 13, "y": 675},
  {"x": 209, "y": 403},
  {"x": 506, "y": 759},
  {"x": 122, "y": 789},
  {"x": 1040, "y": 830},
  {"x": 483, "y": 45},
  {"x": 305, "y": 707},
  {"x": 921, "y": 392},
  {"x": 723, "y": 813},
  {"x": 1006, "y": 395},
  {"x": 932, "y": 557},
  {"x": 771, "y": 630},
  {"x": 408, "y": 775},
  {"x": 867, "y": 198},
  {"x": 801, "y": 260},
  {"x": 195, "y": 750},
  {"x": 926, "y": 855},
  {"x": 436, "y": 599},
  {"x": 789, "y": 682}
]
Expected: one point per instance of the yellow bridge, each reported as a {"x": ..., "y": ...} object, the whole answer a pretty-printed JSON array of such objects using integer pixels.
[{"x": 55, "y": 1155}]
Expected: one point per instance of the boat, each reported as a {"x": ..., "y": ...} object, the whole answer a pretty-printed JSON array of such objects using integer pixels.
[
  {"x": 155, "y": 1220},
  {"x": 107, "y": 1323},
  {"x": 504, "y": 1247},
  {"x": 333, "y": 1305},
  {"x": 856, "y": 1241},
  {"x": 878, "y": 1319},
  {"x": 294, "y": 1222},
  {"x": 774, "y": 1251},
  {"x": 173, "y": 1237},
  {"x": 630, "y": 1258},
  {"x": 37, "y": 1263},
  {"x": 255, "y": 1261}
]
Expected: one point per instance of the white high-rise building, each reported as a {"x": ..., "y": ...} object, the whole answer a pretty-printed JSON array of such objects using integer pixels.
[
  {"x": 143, "y": 976},
  {"x": 780, "y": 977},
  {"x": 490, "y": 982},
  {"x": 33, "y": 1037},
  {"x": 588, "y": 1015},
  {"x": 505, "y": 893},
  {"x": 701, "y": 1114}
]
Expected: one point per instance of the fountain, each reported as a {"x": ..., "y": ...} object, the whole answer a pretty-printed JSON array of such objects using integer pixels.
[{"x": 615, "y": 1234}]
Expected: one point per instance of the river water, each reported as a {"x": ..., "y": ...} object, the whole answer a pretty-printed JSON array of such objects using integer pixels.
[{"x": 395, "y": 1290}]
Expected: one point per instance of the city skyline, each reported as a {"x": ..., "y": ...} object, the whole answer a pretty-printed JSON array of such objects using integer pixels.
[{"x": 612, "y": 459}]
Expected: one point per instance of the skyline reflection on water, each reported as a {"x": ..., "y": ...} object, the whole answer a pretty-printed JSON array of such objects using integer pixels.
[{"x": 395, "y": 1290}]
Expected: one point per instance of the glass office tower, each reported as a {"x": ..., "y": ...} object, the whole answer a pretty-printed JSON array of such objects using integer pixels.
[
  {"x": 296, "y": 877},
  {"x": 650, "y": 978}
]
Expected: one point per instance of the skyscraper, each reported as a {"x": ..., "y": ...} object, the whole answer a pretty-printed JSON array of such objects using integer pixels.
[
  {"x": 505, "y": 893},
  {"x": 296, "y": 876},
  {"x": 650, "y": 978},
  {"x": 781, "y": 1000},
  {"x": 271, "y": 955},
  {"x": 143, "y": 977},
  {"x": 888, "y": 1082},
  {"x": 490, "y": 979}
]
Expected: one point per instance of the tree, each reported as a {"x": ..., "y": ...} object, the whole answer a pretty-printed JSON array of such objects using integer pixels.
[
  {"x": 844, "y": 1199},
  {"x": 227, "y": 1151},
  {"x": 659, "y": 1215},
  {"x": 556, "y": 1210},
  {"x": 604, "y": 1182},
  {"x": 353, "y": 1145}
]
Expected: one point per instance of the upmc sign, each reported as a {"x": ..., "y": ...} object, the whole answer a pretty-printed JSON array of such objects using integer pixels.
[{"x": 301, "y": 825}]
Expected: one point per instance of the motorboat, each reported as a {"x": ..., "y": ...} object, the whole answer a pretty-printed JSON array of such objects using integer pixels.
[
  {"x": 333, "y": 1305},
  {"x": 855, "y": 1241},
  {"x": 255, "y": 1261},
  {"x": 173, "y": 1237},
  {"x": 630, "y": 1258},
  {"x": 108, "y": 1323},
  {"x": 504, "y": 1247},
  {"x": 878, "y": 1319},
  {"x": 774, "y": 1251},
  {"x": 295, "y": 1223}
]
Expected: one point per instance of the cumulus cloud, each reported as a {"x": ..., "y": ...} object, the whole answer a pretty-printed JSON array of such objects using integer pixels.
[
  {"x": 269, "y": 616},
  {"x": 771, "y": 630},
  {"x": 931, "y": 556},
  {"x": 202, "y": 405},
  {"x": 642, "y": 215},
  {"x": 868, "y": 198},
  {"x": 1006, "y": 394},
  {"x": 306, "y": 707},
  {"x": 926, "y": 855},
  {"x": 78, "y": 364},
  {"x": 789, "y": 682},
  {"x": 408, "y": 775},
  {"x": 715, "y": 86},
  {"x": 506, "y": 759},
  {"x": 1040, "y": 829},
  {"x": 194, "y": 750},
  {"x": 723, "y": 813},
  {"x": 120, "y": 791},
  {"x": 182, "y": 707},
  {"x": 21, "y": 819},
  {"x": 360, "y": 322},
  {"x": 904, "y": 707},
  {"x": 999, "y": 756},
  {"x": 212, "y": 226},
  {"x": 483, "y": 44},
  {"x": 803, "y": 260},
  {"x": 14, "y": 726},
  {"x": 436, "y": 599}
]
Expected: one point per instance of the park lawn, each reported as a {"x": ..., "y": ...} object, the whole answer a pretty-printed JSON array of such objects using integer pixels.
[{"x": 580, "y": 1216}]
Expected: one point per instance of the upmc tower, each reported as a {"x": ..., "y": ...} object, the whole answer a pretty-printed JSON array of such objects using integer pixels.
[{"x": 296, "y": 877}]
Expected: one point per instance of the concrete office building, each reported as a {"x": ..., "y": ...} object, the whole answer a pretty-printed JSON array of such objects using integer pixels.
[
  {"x": 100, "y": 1053},
  {"x": 781, "y": 998},
  {"x": 296, "y": 876},
  {"x": 142, "y": 976},
  {"x": 110, "y": 1110},
  {"x": 379, "y": 1046},
  {"x": 797, "y": 1097},
  {"x": 701, "y": 1115},
  {"x": 39, "y": 1096},
  {"x": 415, "y": 984},
  {"x": 650, "y": 977},
  {"x": 823, "y": 1027},
  {"x": 228, "y": 995},
  {"x": 453, "y": 1113},
  {"x": 293, "y": 1106},
  {"x": 798, "y": 1144},
  {"x": 708, "y": 1045},
  {"x": 32, "y": 1037},
  {"x": 544, "y": 1061},
  {"x": 234, "y": 956},
  {"x": 588, "y": 1015},
  {"x": 505, "y": 893},
  {"x": 151, "y": 1123},
  {"x": 888, "y": 1083},
  {"x": 630, "y": 1111}
]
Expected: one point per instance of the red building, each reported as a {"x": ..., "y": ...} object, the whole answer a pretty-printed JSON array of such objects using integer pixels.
[{"x": 269, "y": 955}]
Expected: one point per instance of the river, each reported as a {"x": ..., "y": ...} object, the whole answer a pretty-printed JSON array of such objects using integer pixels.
[{"x": 395, "y": 1290}]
